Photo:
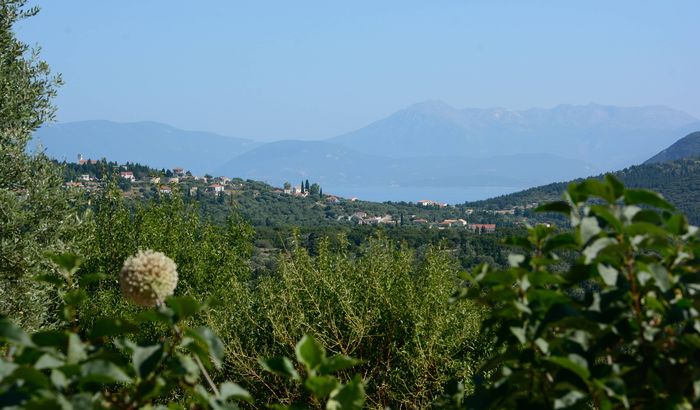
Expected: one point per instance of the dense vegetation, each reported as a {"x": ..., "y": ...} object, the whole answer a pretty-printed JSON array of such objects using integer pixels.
[{"x": 678, "y": 181}]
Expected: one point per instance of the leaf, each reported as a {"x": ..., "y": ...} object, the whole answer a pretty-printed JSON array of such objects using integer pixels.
[
  {"x": 76, "y": 349},
  {"x": 588, "y": 228},
  {"x": 573, "y": 362},
  {"x": 51, "y": 338},
  {"x": 561, "y": 241},
  {"x": 608, "y": 273},
  {"x": 337, "y": 363},
  {"x": 660, "y": 275},
  {"x": 146, "y": 359},
  {"x": 183, "y": 306},
  {"x": 230, "y": 390},
  {"x": 69, "y": 262},
  {"x": 310, "y": 352},
  {"x": 348, "y": 397},
  {"x": 102, "y": 371},
  {"x": 48, "y": 361},
  {"x": 568, "y": 400},
  {"x": 280, "y": 366},
  {"x": 643, "y": 196},
  {"x": 591, "y": 251},
  {"x": 321, "y": 386},
  {"x": 214, "y": 345},
  {"x": 14, "y": 334},
  {"x": 561, "y": 207},
  {"x": 51, "y": 279},
  {"x": 519, "y": 333}
]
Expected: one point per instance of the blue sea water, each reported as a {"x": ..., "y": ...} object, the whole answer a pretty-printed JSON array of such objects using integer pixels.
[{"x": 449, "y": 195}]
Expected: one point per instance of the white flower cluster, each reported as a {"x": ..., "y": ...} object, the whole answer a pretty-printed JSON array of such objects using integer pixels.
[{"x": 148, "y": 277}]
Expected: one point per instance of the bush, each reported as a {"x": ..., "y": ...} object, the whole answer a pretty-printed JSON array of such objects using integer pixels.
[{"x": 619, "y": 328}]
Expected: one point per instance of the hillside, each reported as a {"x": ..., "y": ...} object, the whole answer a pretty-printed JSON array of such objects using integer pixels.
[
  {"x": 686, "y": 147},
  {"x": 678, "y": 181},
  {"x": 607, "y": 136},
  {"x": 158, "y": 145}
]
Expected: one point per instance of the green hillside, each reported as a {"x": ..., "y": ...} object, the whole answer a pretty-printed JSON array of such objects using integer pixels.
[
  {"x": 678, "y": 181},
  {"x": 686, "y": 147}
]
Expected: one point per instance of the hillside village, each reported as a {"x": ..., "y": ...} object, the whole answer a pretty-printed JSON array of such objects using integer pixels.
[{"x": 141, "y": 182}]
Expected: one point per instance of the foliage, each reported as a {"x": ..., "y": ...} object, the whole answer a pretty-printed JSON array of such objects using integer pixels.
[
  {"x": 319, "y": 379},
  {"x": 36, "y": 214},
  {"x": 101, "y": 367},
  {"x": 618, "y": 329},
  {"x": 384, "y": 306},
  {"x": 678, "y": 181}
]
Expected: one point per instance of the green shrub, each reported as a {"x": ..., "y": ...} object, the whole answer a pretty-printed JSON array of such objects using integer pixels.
[{"x": 619, "y": 328}]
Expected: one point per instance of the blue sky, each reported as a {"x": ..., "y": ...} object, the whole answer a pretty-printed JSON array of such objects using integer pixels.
[{"x": 315, "y": 69}]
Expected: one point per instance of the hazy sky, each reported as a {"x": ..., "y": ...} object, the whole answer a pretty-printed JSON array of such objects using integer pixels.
[{"x": 314, "y": 69}]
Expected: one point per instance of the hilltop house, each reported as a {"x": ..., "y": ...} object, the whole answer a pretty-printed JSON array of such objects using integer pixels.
[
  {"x": 83, "y": 161},
  {"x": 216, "y": 188},
  {"x": 428, "y": 202},
  {"x": 482, "y": 228},
  {"x": 164, "y": 189},
  {"x": 127, "y": 175},
  {"x": 332, "y": 200},
  {"x": 179, "y": 172},
  {"x": 155, "y": 180}
]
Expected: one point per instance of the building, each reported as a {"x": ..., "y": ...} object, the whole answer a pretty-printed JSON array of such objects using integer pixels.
[
  {"x": 83, "y": 161},
  {"x": 127, "y": 175},
  {"x": 332, "y": 200},
  {"x": 216, "y": 188},
  {"x": 482, "y": 228},
  {"x": 179, "y": 172},
  {"x": 174, "y": 180},
  {"x": 155, "y": 180},
  {"x": 164, "y": 189},
  {"x": 85, "y": 177}
]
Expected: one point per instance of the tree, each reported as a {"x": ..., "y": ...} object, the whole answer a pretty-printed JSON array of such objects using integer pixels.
[
  {"x": 302, "y": 186},
  {"x": 306, "y": 187},
  {"x": 287, "y": 186},
  {"x": 315, "y": 189},
  {"x": 35, "y": 211}
]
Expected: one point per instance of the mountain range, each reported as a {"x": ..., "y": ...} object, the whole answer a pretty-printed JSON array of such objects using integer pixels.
[{"x": 429, "y": 144}]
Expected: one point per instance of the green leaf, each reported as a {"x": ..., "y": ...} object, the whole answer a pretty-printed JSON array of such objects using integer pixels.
[
  {"x": 643, "y": 196},
  {"x": 102, "y": 371},
  {"x": 76, "y": 349},
  {"x": 348, "y": 397},
  {"x": 67, "y": 261},
  {"x": 337, "y": 363},
  {"x": 48, "y": 361},
  {"x": 519, "y": 333},
  {"x": 561, "y": 207},
  {"x": 573, "y": 362},
  {"x": 321, "y": 386},
  {"x": 660, "y": 275},
  {"x": 14, "y": 334},
  {"x": 309, "y": 352},
  {"x": 75, "y": 297},
  {"x": 214, "y": 345},
  {"x": 51, "y": 338},
  {"x": 280, "y": 366},
  {"x": 591, "y": 251},
  {"x": 588, "y": 228},
  {"x": 229, "y": 390},
  {"x": 608, "y": 273},
  {"x": 51, "y": 279},
  {"x": 145, "y": 359},
  {"x": 183, "y": 306}
]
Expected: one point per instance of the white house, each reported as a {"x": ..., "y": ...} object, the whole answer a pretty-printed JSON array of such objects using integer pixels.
[
  {"x": 127, "y": 175},
  {"x": 216, "y": 188}
]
